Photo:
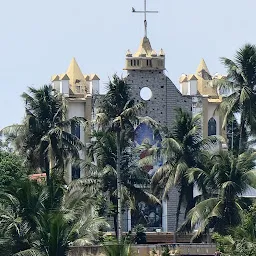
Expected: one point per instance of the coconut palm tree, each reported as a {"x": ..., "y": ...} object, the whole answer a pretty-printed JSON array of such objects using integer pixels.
[
  {"x": 118, "y": 113},
  {"x": 180, "y": 151},
  {"x": 44, "y": 136},
  {"x": 241, "y": 80},
  {"x": 54, "y": 227},
  {"x": 133, "y": 179},
  {"x": 221, "y": 183}
]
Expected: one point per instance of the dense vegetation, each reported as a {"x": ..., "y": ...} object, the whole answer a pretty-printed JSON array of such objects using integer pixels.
[{"x": 46, "y": 217}]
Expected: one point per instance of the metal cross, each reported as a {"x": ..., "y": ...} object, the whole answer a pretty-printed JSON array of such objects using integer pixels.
[{"x": 145, "y": 15}]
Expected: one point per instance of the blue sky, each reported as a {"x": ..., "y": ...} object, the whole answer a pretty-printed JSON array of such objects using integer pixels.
[{"x": 39, "y": 38}]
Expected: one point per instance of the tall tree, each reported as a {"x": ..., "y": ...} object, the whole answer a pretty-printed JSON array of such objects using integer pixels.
[
  {"x": 133, "y": 178},
  {"x": 118, "y": 113},
  {"x": 180, "y": 151},
  {"x": 241, "y": 80},
  {"x": 222, "y": 183},
  {"x": 33, "y": 223},
  {"x": 44, "y": 137}
]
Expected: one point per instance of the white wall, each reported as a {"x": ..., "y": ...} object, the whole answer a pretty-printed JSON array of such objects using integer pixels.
[
  {"x": 64, "y": 87},
  {"x": 95, "y": 87},
  {"x": 184, "y": 88},
  {"x": 56, "y": 85},
  {"x": 77, "y": 109},
  {"x": 192, "y": 87}
]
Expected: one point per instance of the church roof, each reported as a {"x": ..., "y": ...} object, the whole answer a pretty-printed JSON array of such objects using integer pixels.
[
  {"x": 94, "y": 77},
  {"x": 86, "y": 77},
  {"x": 144, "y": 48},
  {"x": 74, "y": 73},
  {"x": 183, "y": 78},
  {"x": 64, "y": 77},
  {"x": 55, "y": 78},
  {"x": 202, "y": 66},
  {"x": 192, "y": 77}
]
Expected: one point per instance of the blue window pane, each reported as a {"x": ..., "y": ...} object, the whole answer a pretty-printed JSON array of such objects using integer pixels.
[{"x": 76, "y": 172}]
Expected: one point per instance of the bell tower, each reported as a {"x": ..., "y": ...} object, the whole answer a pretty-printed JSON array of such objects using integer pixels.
[
  {"x": 149, "y": 84},
  {"x": 145, "y": 58}
]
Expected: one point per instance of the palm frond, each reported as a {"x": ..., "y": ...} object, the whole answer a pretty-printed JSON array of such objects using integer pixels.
[{"x": 30, "y": 252}]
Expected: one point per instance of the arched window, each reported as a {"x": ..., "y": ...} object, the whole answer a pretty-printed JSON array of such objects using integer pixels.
[{"x": 212, "y": 127}]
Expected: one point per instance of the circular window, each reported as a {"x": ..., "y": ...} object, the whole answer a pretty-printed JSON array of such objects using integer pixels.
[{"x": 145, "y": 93}]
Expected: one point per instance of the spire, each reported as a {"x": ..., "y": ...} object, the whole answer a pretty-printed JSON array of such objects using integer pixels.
[
  {"x": 74, "y": 73},
  {"x": 144, "y": 48},
  {"x": 161, "y": 53},
  {"x": 202, "y": 66}
]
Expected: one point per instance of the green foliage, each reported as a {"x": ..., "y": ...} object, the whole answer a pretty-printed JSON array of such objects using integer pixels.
[
  {"x": 165, "y": 251},
  {"x": 140, "y": 235},
  {"x": 47, "y": 219},
  {"x": 241, "y": 80},
  {"x": 134, "y": 179},
  {"x": 121, "y": 177},
  {"x": 116, "y": 248},
  {"x": 180, "y": 150},
  {"x": 228, "y": 246},
  {"x": 222, "y": 185},
  {"x": 12, "y": 170},
  {"x": 233, "y": 135},
  {"x": 43, "y": 137}
]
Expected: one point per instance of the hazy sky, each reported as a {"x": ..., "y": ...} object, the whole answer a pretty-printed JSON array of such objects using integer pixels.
[{"x": 39, "y": 38}]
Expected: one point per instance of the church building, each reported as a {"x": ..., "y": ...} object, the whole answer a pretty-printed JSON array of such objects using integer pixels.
[{"x": 146, "y": 76}]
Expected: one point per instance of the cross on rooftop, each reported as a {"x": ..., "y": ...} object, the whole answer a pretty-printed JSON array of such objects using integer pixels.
[{"x": 145, "y": 15}]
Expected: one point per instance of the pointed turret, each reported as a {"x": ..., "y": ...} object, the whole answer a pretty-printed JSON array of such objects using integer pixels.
[
  {"x": 75, "y": 75},
  {"x": 128, "y": 53},
  {"x": 153, "y": 53},
  {"x": 202, "y": 66},
  {"x": 144, "y": 48},
  {"x": 161, "y": 53}
]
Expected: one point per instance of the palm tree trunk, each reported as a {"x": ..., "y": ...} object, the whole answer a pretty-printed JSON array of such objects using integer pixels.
[
  {"x": 242, "y": 128},
  {"x": 115, "y": 224},
  {"x": 177, "y": 218},
  {"x": 119, "y": 201},
  {"x": 44, "y": 166}
]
